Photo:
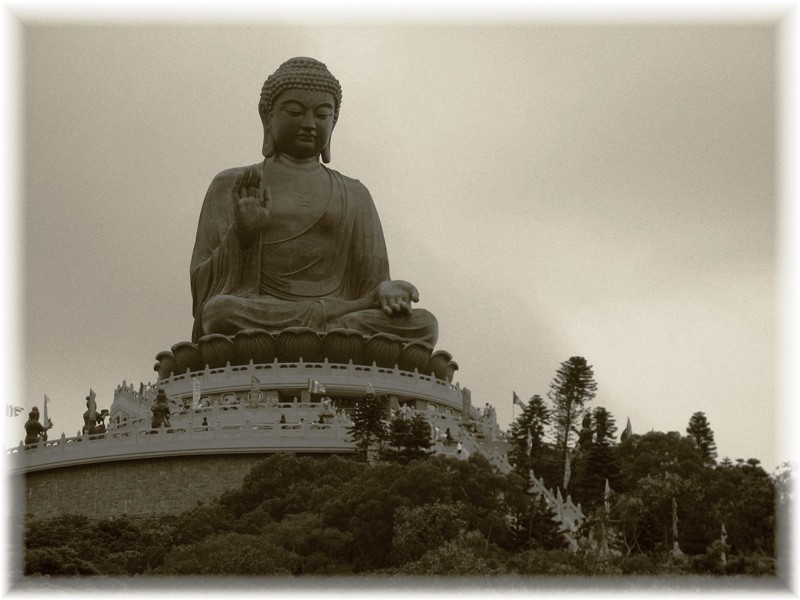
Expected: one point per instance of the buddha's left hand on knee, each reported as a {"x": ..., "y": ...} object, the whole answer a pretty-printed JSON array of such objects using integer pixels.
[{"x": 395, "y": 297}]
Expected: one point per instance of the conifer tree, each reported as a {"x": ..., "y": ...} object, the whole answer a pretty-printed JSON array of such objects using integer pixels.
[
  {"x": 598, "y": 463},
  {"x": 410, "y": 439},
  {"x": 572, "y": 387},
  {"x": 536, "y": 526},
  {"x": 605, "y": 426},
  {"x": 531, "y": 426},
  {"x": 700, "y": 433},
  {"x": 368, "y": 427}
]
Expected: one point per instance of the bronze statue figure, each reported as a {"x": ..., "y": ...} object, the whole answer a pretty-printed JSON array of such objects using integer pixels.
[
  {"x": 93, "y": 421},
  {"x": 288, "y": 242},
  {"x": 35, "y": 431},
  {"x": 161, "y": 412}
]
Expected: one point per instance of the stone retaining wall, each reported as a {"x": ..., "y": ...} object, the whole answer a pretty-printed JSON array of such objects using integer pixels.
[{"x": 138, "y": 488}]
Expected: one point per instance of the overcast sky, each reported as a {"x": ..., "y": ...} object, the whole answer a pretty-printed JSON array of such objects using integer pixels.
[{"x": 552, "y": 190}]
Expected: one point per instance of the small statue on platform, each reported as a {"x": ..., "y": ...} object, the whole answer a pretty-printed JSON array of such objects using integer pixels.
[
  {"x": 161, "y": 411},
  {"x": 35, "y": 431},
  {"x": 288, "y": 242},
  {"x": 93, "y": 421}
]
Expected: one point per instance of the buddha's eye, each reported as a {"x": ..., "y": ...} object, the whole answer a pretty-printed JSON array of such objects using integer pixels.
[{"x": 323, "y": 115}]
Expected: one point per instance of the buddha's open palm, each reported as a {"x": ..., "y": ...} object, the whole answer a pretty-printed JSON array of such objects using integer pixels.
[
  {"x": 251, "y": 204},
  {"x": 395, "y": 297}
]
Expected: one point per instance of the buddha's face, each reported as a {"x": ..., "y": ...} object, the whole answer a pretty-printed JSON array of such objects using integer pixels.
[{"x": 301, "y": 122}]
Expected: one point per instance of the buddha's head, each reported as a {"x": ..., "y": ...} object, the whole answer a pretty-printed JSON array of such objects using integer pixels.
[{"x": 299, "y": 107}]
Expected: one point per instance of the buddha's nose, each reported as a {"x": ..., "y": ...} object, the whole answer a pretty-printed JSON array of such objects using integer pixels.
[{"x": 308, "y": 121}]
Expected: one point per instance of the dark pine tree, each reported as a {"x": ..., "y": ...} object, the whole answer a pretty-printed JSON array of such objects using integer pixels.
[
  {"x": 598, "y": 464},
  {"x": 605, "y": 426},
  {"x": 368, "y": 427},
  {"x": 410, "y": 439},
  {"x": 530, "y": 425},
  {"x": 699, "y": 431},
  {"x": 572, "y": 387},
  {"x": 535, "y": 527}
]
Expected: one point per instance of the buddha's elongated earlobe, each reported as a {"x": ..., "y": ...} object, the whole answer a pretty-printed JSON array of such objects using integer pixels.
[
  {"x": 326, "y": 153},
  {"x": 268, "y": 149}
]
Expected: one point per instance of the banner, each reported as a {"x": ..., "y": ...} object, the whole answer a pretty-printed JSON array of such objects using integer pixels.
[
  {"x": 13, "y": 411},
  {"x": 195, "y": 392}
]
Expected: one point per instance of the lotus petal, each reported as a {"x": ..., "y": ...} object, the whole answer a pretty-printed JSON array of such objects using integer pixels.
[
  {"x": 342, "y": 346},
  {"x": 415, "y": 355},
  {"x": 256, "y": 345},
  {"x": 383, "y": 349},
  {"x": 188, "y": 356},
  {"x": 216, "y": 349},
  {"x": 439, "y": 363},
  {"x": 295, "y": 343},
  {"x": 165, "y": 364}
]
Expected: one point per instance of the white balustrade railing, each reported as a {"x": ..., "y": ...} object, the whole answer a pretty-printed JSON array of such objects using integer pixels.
[
  {"x": 336, "y": 376},
  {"x": 245, "y": 436}
]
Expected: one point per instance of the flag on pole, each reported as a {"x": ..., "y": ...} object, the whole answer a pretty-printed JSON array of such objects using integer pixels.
[
  {"x": 518, "y": 402},
  {"x": 195, "y": 392},
  {"x": 315, "y": 387}
]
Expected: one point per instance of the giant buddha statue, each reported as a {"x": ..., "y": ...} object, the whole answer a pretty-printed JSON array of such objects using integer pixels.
[{"x": 288, "y": 242}]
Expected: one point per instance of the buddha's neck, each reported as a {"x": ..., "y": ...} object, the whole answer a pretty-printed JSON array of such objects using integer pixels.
[{"x": 290, "y": 162}]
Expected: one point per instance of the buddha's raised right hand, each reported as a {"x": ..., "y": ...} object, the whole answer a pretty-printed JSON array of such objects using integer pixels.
[{"x": 251, "y": 204}]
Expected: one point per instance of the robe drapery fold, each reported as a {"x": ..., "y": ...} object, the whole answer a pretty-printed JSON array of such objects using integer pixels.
[{"x": 294, "y": 273}]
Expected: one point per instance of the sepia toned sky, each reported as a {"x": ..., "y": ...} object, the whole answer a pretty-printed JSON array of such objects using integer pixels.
[{"x": 561, "y": 189}]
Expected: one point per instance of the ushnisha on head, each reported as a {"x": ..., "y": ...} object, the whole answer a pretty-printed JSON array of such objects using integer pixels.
[{"x": 299, "y": 73}]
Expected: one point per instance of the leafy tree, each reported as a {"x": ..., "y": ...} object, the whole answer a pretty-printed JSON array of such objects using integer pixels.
[
  {"x": 410, "y": 439},
  {"x": 230, "y": 554},
  {"x": 572, "y": 387},
  {"x": 647, "y": 510},
  {"x": 420, "y": 529},
  {"x": 368, "y": 428},
  {"x": 657, "y": 453},
  {"x": 546, "y": 562},
  {"x": 285, "y": 484},
  {"x": 700, "y": 433},
  {"x": 321, "y": 549},
  {"x": 58, "y": 560},
  {"x": 528, "y": 438},
  {"x": 468, "y": 554},
  {"x": 744, "y": 499}
]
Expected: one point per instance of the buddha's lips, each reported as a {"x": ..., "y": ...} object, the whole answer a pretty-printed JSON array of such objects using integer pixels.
[{"x": 306, "y": 137}]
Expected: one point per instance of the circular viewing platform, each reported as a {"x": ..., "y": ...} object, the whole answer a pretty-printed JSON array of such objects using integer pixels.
[{"x": 281, "y": 416}]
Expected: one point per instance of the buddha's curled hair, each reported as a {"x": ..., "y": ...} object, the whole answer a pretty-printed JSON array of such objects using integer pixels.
[{"x": 300, "y": 73}]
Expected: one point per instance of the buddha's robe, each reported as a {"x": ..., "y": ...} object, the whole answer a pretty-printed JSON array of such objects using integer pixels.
[{"x": 297, "y": 269}]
